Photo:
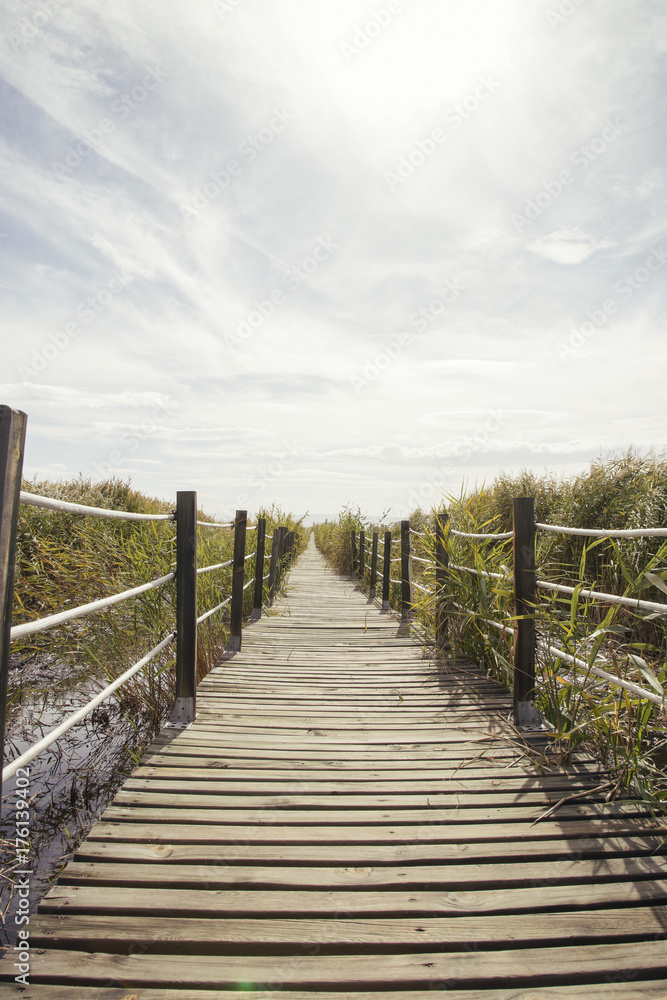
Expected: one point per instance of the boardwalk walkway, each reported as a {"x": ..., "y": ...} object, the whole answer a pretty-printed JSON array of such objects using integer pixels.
[{"x": 347, "y": 818}]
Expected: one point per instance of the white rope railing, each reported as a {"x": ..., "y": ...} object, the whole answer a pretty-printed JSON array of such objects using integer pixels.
[
  {"x": 487, "y": 621},
  {"x": 630, "y": 602},
  {"x": 428, "y": 562},
  {"x": 50, "y": 621},
  {"x": 210, "y": 569},
  {"x": 420, "y": 534},
  {"x": 606, "y": 532},
  {"x": 212, "y": 524},
  {"x": 419, "y": 587},
  {"x": 207, "y": 614},
  {"x": 249, "y": 556},
  {"x": 266, "y": 577},
  {"x": 471, "y": 534},
  {"x": 477, "y": 572},
  {"x": 580, "y": 664},
  {"x": 48, "y": 503},
  {"x": 392, "y": 580},
  {"x": 81, "y": 713},
  {"x": 249, "y": 583}
]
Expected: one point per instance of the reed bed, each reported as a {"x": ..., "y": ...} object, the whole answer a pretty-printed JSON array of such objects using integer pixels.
[{"x": 626, "y": 733}]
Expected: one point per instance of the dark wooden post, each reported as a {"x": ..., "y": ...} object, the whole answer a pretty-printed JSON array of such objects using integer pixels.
[
  {"x": 238, "y": 573},
  {"x": 354, "y": 553},
  {"x": 441, "y": 574},
  {"x": 386, "y": 571},
  {"x": 406, "y": 595},
  {"x": 525, "y": 599},
  {"x": 259, "y": 568},
  {"x": 184, "y": 709},
  {"x": 374, "y": 564},
  {"x": 362, "y": 555},
  {"x": 12, "y": 445},
  {"x": 273, "y": 568}
]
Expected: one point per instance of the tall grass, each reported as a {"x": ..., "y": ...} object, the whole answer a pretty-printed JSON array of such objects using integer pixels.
[{"x": 627, "y": 734}]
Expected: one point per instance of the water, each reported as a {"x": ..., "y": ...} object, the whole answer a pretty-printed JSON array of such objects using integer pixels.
[{"x": 67, "y": 787}]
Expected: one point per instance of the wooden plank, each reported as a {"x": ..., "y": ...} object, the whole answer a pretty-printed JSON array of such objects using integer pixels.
[
  {"x": 357, "y": 971},
  {"x": 282, "y": 903},
  {"x": 645, "y": 990},
  {"x": 219, "y": 936}
]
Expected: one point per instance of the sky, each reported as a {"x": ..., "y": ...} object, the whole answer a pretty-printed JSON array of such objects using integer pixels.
[{"x": 314, "y": 253}]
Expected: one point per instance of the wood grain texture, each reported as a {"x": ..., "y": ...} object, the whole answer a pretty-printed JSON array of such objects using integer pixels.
[{"x": 349, "y": 816}]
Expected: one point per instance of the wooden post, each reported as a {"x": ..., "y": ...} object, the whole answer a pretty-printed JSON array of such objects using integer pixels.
[
  {"x": 386, "y": 571},
  {"x": 406, "y": 595},
  {"x": 525, "y": 599},
  {"x": 273, "y": 568},
  {"x": 12, "y": 445},
  {"x": 441, "y": 574},
  {"x": 259, "y": 568},
  {"x": 238, "y": 573},
  {"x": 354, "y": 553},
  {"x": 183, "y": 712},
  {"x": 374, "y": 564},
  {"x": 362, "y": 555}
]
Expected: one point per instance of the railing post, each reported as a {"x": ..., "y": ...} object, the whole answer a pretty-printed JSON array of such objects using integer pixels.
[
  {"x": 259, "y": 568},
  {"x": 374, "y": 564},
  {"x": 238, "y": 572},
  {"x": 441, "y": 574},
  {"x": 386, "y": 571},
  {"x": 12, "y": 444},
  {"x": 184, "y": 709},
  {"x": 362, "y": 555},
  {"x": 525, "y": 594},
  {"x": 355, "y": 565},
  {"x": 273, "y": 569},
  {"x": 406, "y": 575}
]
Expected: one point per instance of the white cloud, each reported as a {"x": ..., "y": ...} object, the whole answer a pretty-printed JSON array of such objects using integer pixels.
[{"x": 570, "y": 246}]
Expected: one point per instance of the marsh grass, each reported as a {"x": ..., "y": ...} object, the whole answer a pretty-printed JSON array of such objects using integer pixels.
[{"x": 626, "y": 733}]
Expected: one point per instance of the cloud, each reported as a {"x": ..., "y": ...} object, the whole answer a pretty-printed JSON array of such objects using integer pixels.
[{"x": 570, "y": 246}]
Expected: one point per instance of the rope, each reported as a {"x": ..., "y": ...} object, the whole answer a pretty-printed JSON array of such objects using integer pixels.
[
  {"x": 468, "y": 534},
  {"x": 428, "y": 562},
  {"x": 47, "y": 503},
  {"x": 421, "y": 534},
  {"x": 606, "y": 532},
  {"x": 249, "y": 583},
  {"x": 249, "y": 556},
  {"x": 630, "y": 602},
  {"x": 42, "y": 624},
  {"x": 209, "y": 569},
  {"x": 251, "y": 527},
  {"x": 487, "y": 621},
  {"x": 604, "y": 675},
  {"x": 212, "y": 524},
  {"x": 477, "y": 572},
  {"x": 419, "y": 587},
  {"x": 81, "y": 713},
  {"x": 207, "y": 614},
  {"x": 392, "y": 580},
  {"x": 266, "y": 577}
]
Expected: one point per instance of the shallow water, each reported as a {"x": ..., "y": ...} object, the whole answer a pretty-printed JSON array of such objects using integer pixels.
[{"x": 68, "y": 785}]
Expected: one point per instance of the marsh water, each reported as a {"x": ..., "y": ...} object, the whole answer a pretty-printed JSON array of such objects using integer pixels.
[{"x": 70, "y": 783}]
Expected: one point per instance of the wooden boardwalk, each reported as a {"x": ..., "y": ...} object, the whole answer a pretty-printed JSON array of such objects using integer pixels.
[{"x": 347, "y": 817}]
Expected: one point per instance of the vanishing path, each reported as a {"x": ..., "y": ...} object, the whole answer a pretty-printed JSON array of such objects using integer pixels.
[{"x": 348, "y": 817}]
